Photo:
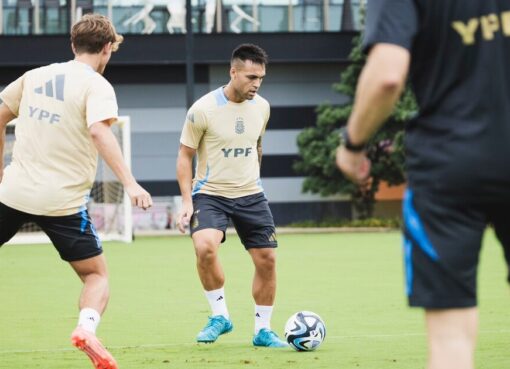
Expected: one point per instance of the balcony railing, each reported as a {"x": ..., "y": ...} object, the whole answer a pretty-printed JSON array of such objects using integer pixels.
[{"x": 28, "y": 17}]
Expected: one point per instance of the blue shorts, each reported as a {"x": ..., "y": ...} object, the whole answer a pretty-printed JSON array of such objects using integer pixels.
[
  {"x": 74, "y": 236},
  {"x": 251, "y": 216},
  {"x": 442, "y": 242}
]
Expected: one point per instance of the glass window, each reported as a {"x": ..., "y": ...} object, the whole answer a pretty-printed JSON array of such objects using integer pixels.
[{"x": 168, "y": 16}]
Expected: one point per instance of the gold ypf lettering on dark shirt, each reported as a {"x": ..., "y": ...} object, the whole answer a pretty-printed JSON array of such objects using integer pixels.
[{"x": 488, "y": 25}]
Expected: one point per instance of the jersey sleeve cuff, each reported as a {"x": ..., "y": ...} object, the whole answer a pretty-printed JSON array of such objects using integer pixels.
[
  {"x": 109, "y": 117},
  {"x": 9, "y": 105},
  {"x": 371, "y": 42},
  {"x": 189, "y": 144}
]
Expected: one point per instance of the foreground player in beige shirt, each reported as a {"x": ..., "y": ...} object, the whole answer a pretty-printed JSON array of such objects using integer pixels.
[
  {"x": 64, "y": 112},
  {"x": 224, "y": 128}
]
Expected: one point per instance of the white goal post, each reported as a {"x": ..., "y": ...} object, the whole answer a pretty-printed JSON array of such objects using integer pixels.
[{"x": 109, "y": 205}]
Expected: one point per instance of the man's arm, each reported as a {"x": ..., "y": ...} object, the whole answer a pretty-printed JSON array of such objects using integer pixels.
[
  {"x": 110, "y": 151},
  {"x": 259, "y": 151},
  {"x": 185, "y": 177},
  {"x": 379, "y": 88},
  {"x": 5, "y": 117}
]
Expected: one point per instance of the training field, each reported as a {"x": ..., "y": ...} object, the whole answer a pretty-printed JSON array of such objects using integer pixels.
[{"x": 354, "y": 281}]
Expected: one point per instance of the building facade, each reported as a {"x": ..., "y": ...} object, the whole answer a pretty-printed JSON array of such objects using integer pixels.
[{"x": 149, "y": 76}]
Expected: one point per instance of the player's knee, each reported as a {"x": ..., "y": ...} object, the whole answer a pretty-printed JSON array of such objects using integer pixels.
[
  {"x": 205, "y": 251},
  {"x": 266, "y": 261},
  {"x": 206, "y": 257},
  {"x": 98, "y": 278}
]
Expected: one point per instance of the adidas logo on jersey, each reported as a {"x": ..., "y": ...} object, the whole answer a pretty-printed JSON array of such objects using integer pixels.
[{"x": 53, "y": 88}]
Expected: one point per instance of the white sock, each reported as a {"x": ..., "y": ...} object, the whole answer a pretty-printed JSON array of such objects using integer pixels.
[
  {"x": 262, "y": 317},
  {"x": 89, "y": 319},
  {"x": 217, "y": 302}
]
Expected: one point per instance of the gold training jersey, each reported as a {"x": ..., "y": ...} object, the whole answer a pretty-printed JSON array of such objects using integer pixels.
[
  {"x": 54, "y": 159},
  {"x": 225, "y": 135}
]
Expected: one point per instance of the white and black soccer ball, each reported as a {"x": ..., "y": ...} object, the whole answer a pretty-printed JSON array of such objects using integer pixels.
[{"x": 305, "y": 331}]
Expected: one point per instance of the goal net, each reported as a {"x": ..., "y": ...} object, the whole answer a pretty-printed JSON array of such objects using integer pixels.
[{"x": 109, "y": 206}]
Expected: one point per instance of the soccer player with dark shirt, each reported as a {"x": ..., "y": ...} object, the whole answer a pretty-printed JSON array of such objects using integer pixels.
[{"x": 456, "y": 54}]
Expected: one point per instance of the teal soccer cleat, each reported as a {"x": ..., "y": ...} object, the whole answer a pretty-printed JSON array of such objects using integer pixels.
[
  {"x": 267, "y": 338},
  {"x": 216, "y": 326}
]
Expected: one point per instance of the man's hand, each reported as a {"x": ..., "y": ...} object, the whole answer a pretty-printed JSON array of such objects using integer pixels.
[
  {"x": 139, "y": 197},
  {"x": 355, "y": 165},
  {"x": 184, "y": 216}
]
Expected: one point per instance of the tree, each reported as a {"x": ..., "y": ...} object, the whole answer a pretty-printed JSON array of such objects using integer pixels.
[{"x": 317, "y": 145}]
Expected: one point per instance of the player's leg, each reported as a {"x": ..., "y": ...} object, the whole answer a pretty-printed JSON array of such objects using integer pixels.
[
  {"x": 93, "y": 300},
  {"x": 95, "y": 292},
  {"x": 11, "y": 221},
  {"x": 210, "y": 271},
  {"x": 264, "y": 279},
  {"x": 441, "y": 246},
  {"x": 208, "y": 226},
  {"x": 264, "y": 292},
  {"x": 254, "y": 224},
  {"x": 76, "y": 240},
  {"x": 451, "y": 337}
]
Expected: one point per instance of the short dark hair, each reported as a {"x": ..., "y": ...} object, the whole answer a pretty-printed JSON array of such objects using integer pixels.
[{"x": 250, "y": 52}]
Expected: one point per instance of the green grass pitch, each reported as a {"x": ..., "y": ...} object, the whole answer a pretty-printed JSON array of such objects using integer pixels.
[{"x": 354, "y": 281}]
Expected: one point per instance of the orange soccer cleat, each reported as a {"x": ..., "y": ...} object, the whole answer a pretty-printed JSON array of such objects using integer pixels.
[{"x": 90, "y": 344}]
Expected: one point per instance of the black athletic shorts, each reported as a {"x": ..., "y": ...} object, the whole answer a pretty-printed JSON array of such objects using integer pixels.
[
  {"x": 251, "y": 216},
  {"x": 442, "y": 242},
  {"x": 74, "y": 236}
]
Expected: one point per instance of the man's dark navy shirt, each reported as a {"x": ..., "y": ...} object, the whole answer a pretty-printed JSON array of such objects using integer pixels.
[{"x": 460, "y": 72}]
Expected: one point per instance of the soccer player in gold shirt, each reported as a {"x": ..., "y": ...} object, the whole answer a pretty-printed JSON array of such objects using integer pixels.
[
  {"x": 224, "y": 129},
  {"x": 64, "y": 112}
]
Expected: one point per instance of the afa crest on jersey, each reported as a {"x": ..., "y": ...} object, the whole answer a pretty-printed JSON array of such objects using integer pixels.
[{"x": 239, "y": 125}]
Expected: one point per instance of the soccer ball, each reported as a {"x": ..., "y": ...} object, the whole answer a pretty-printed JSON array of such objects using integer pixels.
[{"x": 305, "y": 331}]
